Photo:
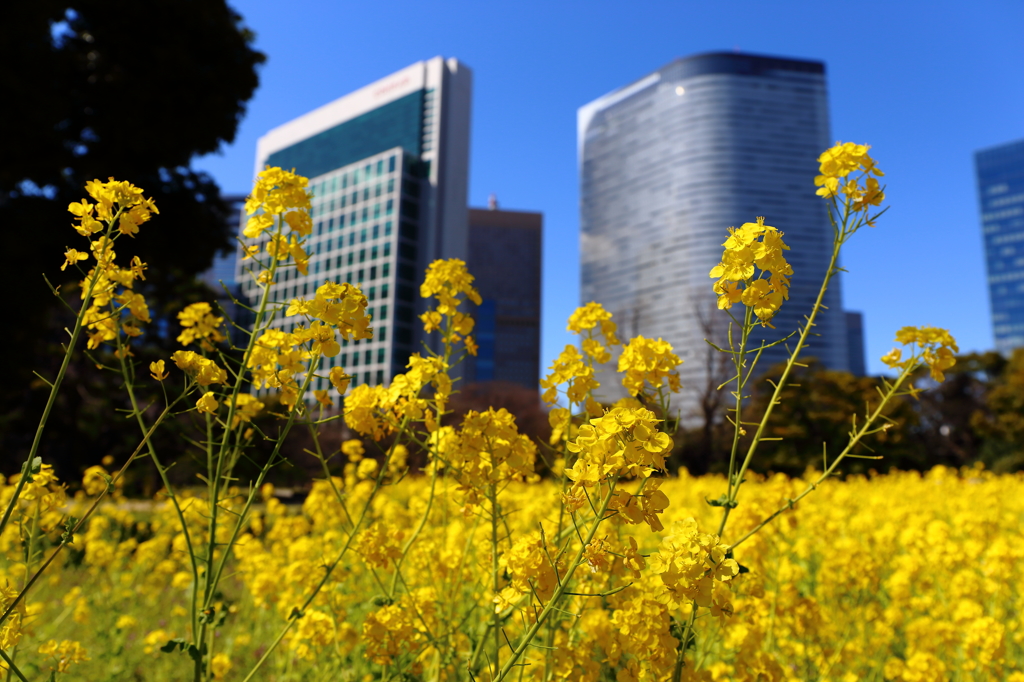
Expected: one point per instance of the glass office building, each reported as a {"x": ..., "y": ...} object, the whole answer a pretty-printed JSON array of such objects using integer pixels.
[
  {"x": 670, "y": 161},
  {"x": 505, "y": 258},
  {"x": 1001, "y": 194},
  {"x": 388, "y": 167}
]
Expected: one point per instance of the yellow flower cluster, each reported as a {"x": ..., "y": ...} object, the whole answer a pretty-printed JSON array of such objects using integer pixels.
[
  {"x": 200, "y": 324},
  {"x": 649, "y": 361},
  {"x": 377, "y": 411},
  {"x": 694, "y": 568},
  {"x": 203, "y": 370},
  {"x": 486, "y": 450},
  {"x": 622, "y": 442},
  {"x": 753, "y": 244},
  {"x": 278, "y": 192},
  {"x": 446, "y": 280},
  {"x": 576, "y": 369},
  {"x": 63, "y": 654},
  {"x": 115, "y": 200},
  {"x": 936, "y": 348},
  {"x": 837, "y": 163},
  {"x": 122, "y": 204},
  {"x": 397, "y": 629}
]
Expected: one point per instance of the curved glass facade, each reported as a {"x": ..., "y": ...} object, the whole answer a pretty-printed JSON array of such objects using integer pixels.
[{"x": 668, "y": 163}]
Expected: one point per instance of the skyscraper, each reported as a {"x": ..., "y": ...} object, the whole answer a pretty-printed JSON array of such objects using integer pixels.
[
  {"x": 1001, "y": 194},
  {"x": 388, "y": 166},
  {"x": 668, "y": 162},
  {"x": 505, "y": 258}
]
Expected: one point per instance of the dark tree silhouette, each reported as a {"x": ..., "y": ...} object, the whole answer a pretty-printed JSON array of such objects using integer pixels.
[{"x": 133, "y": 90}]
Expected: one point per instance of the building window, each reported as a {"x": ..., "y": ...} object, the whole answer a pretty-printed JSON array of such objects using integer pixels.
[
  {"x": 383, "y": 312},
  {"x": 384, "y": 290},
  {"x": 373, "y": 294},
  {"x": 380, "y": 355},
  {"x": 387, "y": 229},
  {"x": 351, "y": 255},
  {"x": 373, "y": 273},
  {"x": 362, "y": 235},
  {"x": 359, "y": 277},
  {"x": 382, "y": 333},
  {"x": 362, "y": 255},
  {"x": 380, "y": 376},
  {"x": 390, "y": 207},
  {"x": 386, "y": 270},
  {"x": 387, "y": 249},
  {"x": 367, "y": 357},
  {"x": 373, "y": 252}
]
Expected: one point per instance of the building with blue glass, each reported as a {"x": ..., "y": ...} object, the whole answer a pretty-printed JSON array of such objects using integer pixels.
[
  {"x": 505, "y": 258},
  {"x": 388, "y": 167},
  {"x": 667, "y": 163},
  {"x": 1000, "y": 172}
]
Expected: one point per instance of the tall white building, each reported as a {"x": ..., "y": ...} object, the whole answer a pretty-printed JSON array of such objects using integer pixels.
[
  {"x": 667, "y": 163},
  {"x": 388, "y": 166}
]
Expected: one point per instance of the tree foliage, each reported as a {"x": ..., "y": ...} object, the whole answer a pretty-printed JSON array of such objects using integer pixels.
[{"x": 99, "y": 89}]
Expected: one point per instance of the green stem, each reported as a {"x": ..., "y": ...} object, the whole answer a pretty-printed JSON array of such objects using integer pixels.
[
  {"x": 837, "y": 243},
  {"x": 549, "y": 608},
  {"x": 854, "y": 439},
  {"x": 54, "y": 389},
  {"x": 677, "y": 671},
  {"x": 298, "y": 613},
  {"x": 42, "y": 568}
]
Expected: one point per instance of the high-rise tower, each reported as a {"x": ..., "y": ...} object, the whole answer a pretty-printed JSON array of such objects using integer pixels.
[
  {"x": 1001, "y": 193},
  {"x": 505, "y": 257},
  {"x": 388, "y": 166},
  {"x": 670, "y": 161}
]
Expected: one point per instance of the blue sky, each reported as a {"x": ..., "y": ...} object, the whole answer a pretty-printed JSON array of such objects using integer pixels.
[{"x": 925, "y": 83}]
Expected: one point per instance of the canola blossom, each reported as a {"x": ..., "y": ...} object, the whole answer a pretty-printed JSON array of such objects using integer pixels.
[
  {"x": 436, "y": 546},
  {"x": 899, "y": 577}
]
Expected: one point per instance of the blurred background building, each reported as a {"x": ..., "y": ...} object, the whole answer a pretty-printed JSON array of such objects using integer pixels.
[
  {"x": 667, "y": 163},
  {"x": 505, "y": 258},
  {"x": 388, "y": 166},
  {"x": 1000, "y": 172}
]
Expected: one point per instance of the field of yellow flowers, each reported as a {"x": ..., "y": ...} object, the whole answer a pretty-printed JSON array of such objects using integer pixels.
[
  {"x": 896, "y": 577},
  {"x": 474, "y": 566}
]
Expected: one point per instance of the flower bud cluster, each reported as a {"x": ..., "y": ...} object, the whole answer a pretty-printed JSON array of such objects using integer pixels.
[
  {"x": 760, "y": 245},
  {"x": 936, "y": 347}
]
